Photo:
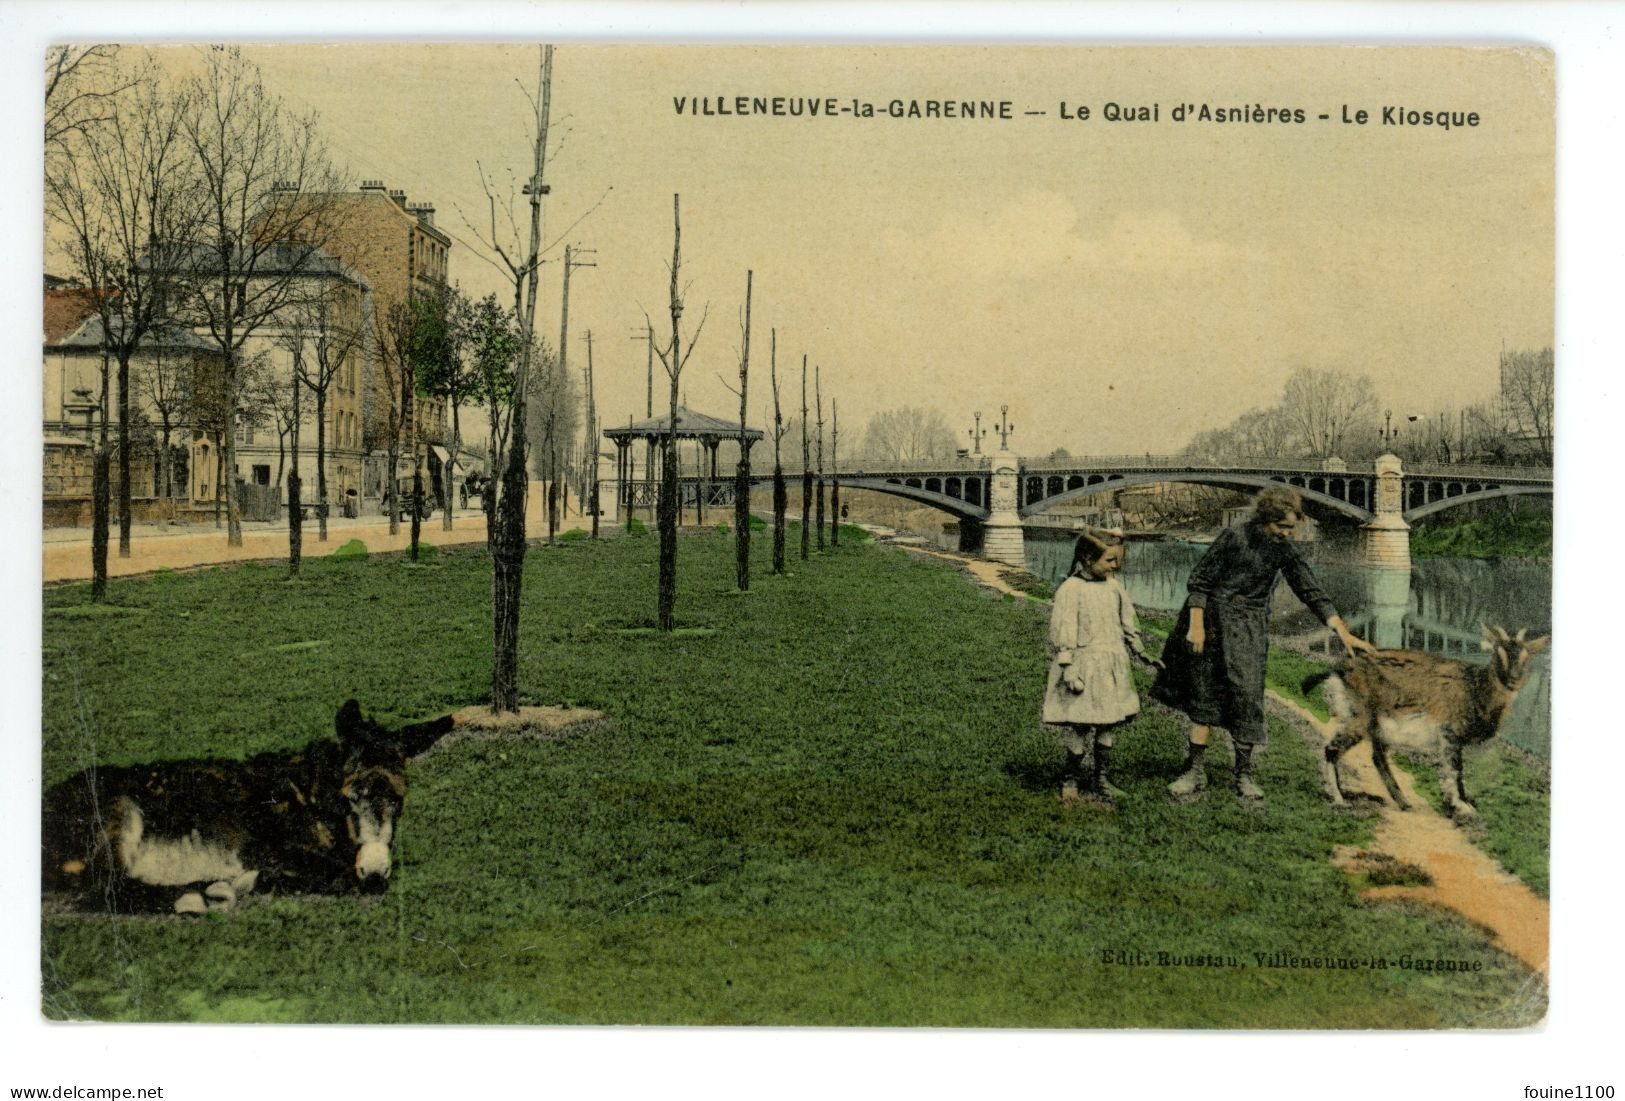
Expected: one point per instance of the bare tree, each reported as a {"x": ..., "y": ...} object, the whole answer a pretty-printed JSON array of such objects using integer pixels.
[
  {"x": 909, "y": 434},
  {"x": 1528, "y": 389},
  {"x": 122, "y": 195},
  {"x": 1324, "y": 407},
  {"x": 260, "y": 242},
  {"x": 330, "y": 330},
  {"x": 835, "y": 477},
  {"x": 818, "y": 390},
  {"x": 163, "y": 382},
  {"x": 806, "y": 469},
  {"x": 82, "y": 84},
  {"x": 508, "y": 358},
  {"x": 673, "y": 358},
  {"x": 411, "y": 339},
  {"x": 779, "y": 490},
  {"x": 742, "y": 471}
]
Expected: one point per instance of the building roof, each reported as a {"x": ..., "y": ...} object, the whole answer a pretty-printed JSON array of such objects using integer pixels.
[
  {"x": 65, "y": 307},
  {"x": 690, "y": 426},
  {"x": 276, "y": 260},
  {"x": 87, "y": 337}
]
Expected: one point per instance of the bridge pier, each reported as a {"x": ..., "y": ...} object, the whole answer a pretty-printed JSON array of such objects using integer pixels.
[
  {"x": 971, "y": 535},
  {"x": 1002, "y": 539},
  {"x": 1386, "y": 540},
  {"x": 1387, "y": 599}
]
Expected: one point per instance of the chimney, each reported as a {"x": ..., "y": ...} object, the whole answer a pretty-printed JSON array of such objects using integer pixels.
[
  {"x": 372, "y": 185},
  {"x": 424, "y": 211},
  {"x": 399, "y": 196}
]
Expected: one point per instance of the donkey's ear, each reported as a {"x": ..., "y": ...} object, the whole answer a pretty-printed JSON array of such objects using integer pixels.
[{"x": 349, "y": 722}]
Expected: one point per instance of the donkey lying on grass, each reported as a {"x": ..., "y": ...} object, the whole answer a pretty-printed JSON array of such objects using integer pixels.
[
  {"x": 1422, "y": 704},
  {"x": 190, "y": 836}
]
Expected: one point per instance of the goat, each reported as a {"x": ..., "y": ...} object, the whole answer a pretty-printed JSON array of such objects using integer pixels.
[{"x": 1422, "y": 704}]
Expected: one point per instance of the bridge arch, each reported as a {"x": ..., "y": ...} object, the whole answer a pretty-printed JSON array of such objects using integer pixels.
[
  {"x": 1467, "y": 496},
  {"x": 1221, "y": 479},
  {"x": 920, "y": 491}
]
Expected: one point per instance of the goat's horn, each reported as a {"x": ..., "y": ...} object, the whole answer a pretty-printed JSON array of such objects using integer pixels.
[{"x": 1521, "y": 632}]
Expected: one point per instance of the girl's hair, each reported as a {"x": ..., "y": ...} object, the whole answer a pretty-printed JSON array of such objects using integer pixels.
[
  {"x": 1089, "y": 547},
  {"x": 1274, "y": 504}
]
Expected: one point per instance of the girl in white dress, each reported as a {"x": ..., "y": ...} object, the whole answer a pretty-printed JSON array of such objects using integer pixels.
[{"x": 1090, "y": 692}]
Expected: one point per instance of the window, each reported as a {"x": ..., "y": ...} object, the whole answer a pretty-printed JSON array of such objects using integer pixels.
[{"x": 262, "y": 474}]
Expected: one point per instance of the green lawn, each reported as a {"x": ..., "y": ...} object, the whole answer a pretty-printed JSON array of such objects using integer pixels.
[{"x": 833, "y": 807}]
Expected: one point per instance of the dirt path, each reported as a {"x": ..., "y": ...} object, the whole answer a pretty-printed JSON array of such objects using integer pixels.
[{"x": 1463, "y": 878}]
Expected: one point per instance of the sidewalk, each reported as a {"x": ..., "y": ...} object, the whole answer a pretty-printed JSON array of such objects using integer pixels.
[{"x": 180, "y": 546}]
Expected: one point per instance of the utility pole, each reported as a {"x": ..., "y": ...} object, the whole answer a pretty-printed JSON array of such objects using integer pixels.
[
  {"x": 571, "y": 262},
  {"x": 818, "y": 390},
  {"x": 592, "y": 443},
  {"x": 835, "y": 474}
]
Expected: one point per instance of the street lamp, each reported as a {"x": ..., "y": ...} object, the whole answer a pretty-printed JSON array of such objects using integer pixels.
[
  {"x": 977, "y": 433},
  {"x": 1005, "y": 428},
  {"x": 1388, "y": 433}
]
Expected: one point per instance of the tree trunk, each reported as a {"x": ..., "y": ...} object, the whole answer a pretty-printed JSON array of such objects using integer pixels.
[
  {"x": 818, "y": 389},
  {"x": 508, "y": 544},
  {"x": 392, "y": 504},
  {"x": 228, "y": 450},
  {"x": 666, "y": 606},
  {"x": 666, "y": 609},
  {"x": 806, "y": 469},
  {"x": 124, "y": 453},
  {"x": 219, "y": 478},
  {"x": 100, "y": 494},
  {"x": 448, "y": 473},
  {"x": 296, "y": 521},
  {"x": 321, "y": 464},
  {"x": 779, "y": 489},
  {"x": 507, "y": 577},
  {"x": 742, "y": 474}
]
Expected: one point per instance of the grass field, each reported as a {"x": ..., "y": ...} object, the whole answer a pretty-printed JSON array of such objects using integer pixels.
[{"x": 826, "y": 802}]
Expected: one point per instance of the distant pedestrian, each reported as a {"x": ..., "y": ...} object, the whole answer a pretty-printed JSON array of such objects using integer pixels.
[
  {"x": 1090, "y": 690},
  {"x": 1215, "y": 656}
]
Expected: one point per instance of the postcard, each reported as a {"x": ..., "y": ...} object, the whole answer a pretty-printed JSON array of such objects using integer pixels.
[{"x": 840, "y": 536}]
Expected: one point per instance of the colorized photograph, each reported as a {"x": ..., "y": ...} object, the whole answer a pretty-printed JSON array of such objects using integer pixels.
[{"x": 833, "y": 536}]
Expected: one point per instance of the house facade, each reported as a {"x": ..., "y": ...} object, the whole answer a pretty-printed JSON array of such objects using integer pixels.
[
  {"x": 162, "y": 375},
  {"x": 322, "y": 330},
  {"x": 395, "y": 247}
]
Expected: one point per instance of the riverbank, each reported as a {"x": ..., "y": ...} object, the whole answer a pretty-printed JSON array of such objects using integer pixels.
[
  {"x": 1507, "y": 533},
  {"x": 1420, "y": 854},
  {"x": 824, "y": 801}
]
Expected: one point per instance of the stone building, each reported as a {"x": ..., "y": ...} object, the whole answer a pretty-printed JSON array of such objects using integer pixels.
[
  {"x": 323, "y": 319},
  {"x": 163, "y": 371},
  {"x": 394, "y": 246}
]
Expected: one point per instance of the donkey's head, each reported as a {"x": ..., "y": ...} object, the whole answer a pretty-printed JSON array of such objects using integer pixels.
[
  {"x": 1510, "y": 654},
  {"x": 374, "y": 785}
]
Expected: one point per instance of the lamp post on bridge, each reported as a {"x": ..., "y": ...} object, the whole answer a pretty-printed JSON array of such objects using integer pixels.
[
  {"x": 1388, "y": 433},
  {"x": 1005, "y": 428},
  {"x": 977, "y": 433}
]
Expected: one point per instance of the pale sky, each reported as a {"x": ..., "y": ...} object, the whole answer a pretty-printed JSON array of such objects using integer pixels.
[{"x": 1120, "y": 285}]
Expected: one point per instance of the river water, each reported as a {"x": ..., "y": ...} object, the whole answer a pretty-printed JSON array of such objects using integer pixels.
[{"x": 1436, "y": 607}]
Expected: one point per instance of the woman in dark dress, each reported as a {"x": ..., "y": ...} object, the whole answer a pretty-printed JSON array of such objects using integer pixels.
[{"x": 1214, "y": 659}]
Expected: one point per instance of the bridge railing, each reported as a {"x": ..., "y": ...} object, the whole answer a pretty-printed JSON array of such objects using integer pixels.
[
  {"x": 1479, "y": 473},
  {"x": 1148, "y": 461},
  {"x": 881, "y": 467}
]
